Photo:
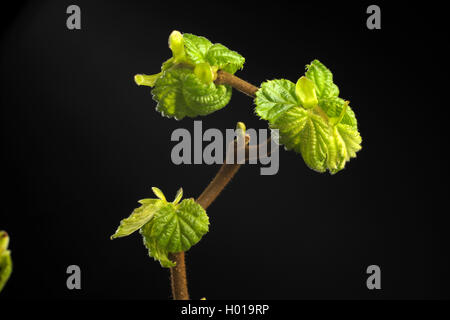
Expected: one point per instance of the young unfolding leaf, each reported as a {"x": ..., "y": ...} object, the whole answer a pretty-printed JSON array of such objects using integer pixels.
[
  {"x": 138, "y": 217},
  {"x": 5, "y": 259},
  {"x": 343, "y": 144},
  {"x": 305, "y": 91},
  {"x": 159, "y": 193},
  {"x": 180, "y": 93},
  {"x": 333, "y": 108},
  {"x": 304, "y": 132},
  {"x": 274, "y": 98},
  {"x": 154, "y": 250},
  {"x": 178, "y": 196},
  {"x": 185, "y": 86},
  {"x": 225, "y": 59},
  {"x": 166, "y": 226},
  {"x": 323, "y": 80},
  {"x": 205, "y": 72},
  {"x": 178, "y": 227},
  {"x": 200, "y": 50},
  {"x": 311, "y": 118},
  {"x": 196, "y": 47}
]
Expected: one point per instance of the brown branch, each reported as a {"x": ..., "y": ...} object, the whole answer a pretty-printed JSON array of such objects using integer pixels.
[
  {"x": 214, "y": 188},
  {"x": 178, "y": 277},
  {"x": 255, "y": 149},
  {"x": 243, "y": 86}
]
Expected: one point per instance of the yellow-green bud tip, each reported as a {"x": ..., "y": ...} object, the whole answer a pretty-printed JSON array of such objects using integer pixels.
[
  {"x": 176, "y": 44},
  {"x": 139, "y": 79},
  {"x": 159, "y": 193},
  {"x": 175, "y": 38},
  {"x": 241, "y": 125},
  {"x": 146, "y": 80},
  {"x": 4, "y": 241}
]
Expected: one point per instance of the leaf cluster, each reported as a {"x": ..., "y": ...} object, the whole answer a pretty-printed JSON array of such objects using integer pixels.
[
  {"x": 185, "y": 86},
  {"x": 311, "y": 118},
  {"x": 166, "y": 227}
]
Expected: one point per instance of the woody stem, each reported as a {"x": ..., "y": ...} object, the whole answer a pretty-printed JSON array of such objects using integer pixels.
[{"x": 243, "y": 86}]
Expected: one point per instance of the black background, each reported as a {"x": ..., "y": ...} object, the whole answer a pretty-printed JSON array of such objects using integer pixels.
[{"x": 81, "y": 143}]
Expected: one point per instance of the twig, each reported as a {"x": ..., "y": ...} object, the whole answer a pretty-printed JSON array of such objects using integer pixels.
[
  {"x": 243, "y": 86},
  {"x": 249, "y": 150},
  {"x": 214, "y": 188},
  {"x": 223, "y": 177},
  {"x": 178, "y": 277}
]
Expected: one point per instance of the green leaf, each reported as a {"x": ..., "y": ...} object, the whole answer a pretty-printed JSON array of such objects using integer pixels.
[
  {"x": 312, "y": 120},
  {"x": 4, "y": 241},
  {"x": 185, "y": 86},
  {"x": 343, "y": 144},
  {"x": 224, "y": 58},
  {"x": 180, "y": 93},
  {"x": 351, "y": 139},
  {"x": 200, "y": 50},
  {"x": 178, "y": 227},
  {"x": 5, "y": 259},
  {"x": 304, "y": 132},
  {"x": 204, "y": 72},
  {"x": 159, "y": 193},
  {"x": 321, "y": 145},
  {"x": 323, "y": 80},
  {"x": 169, "y": 63},
  {"x": 5, "y": 268},
  {"x": 274, "y": 98},
  {"x": 166, "y": 226},
  {"x": 178, "y": 196},
  {"x": 333, "y": 108},
  {"x": 196, "y": 47},
  {"x": 154, "y": 250},
  {"x": 305, "y": 91},
  {"x": 138, "y": 217},
  {"x": 175, "y": 228}
]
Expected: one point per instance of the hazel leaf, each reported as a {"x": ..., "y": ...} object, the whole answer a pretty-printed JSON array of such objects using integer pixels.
[
  {"x": 201, "y": 50},
  {"x": 159, "y": 193},
  {"x": 185, "y": 86},
  {"x": 323, "y": 80},
  {"x": 139, "y": 217},
  {"x": 154, "y": 250},
  {"x": 166, "y": 226},
  {"x": 204, "y": 72},
  {"x": 306, "y": 92},
  {"x": 306, "y": 133},
  {"x": 178, "y": 227},
  {"x": 5, "y": 260},
  {"x": 312, "y": 120},
  {"x": 224, "y": 59},
  {"x": 196, "y": 47},
  {"x": 274, "y": 98},
  {"x": 333, "y": 108},
  {"x": 180, "y": 93},
  {"x": 178, "y": 196}
]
